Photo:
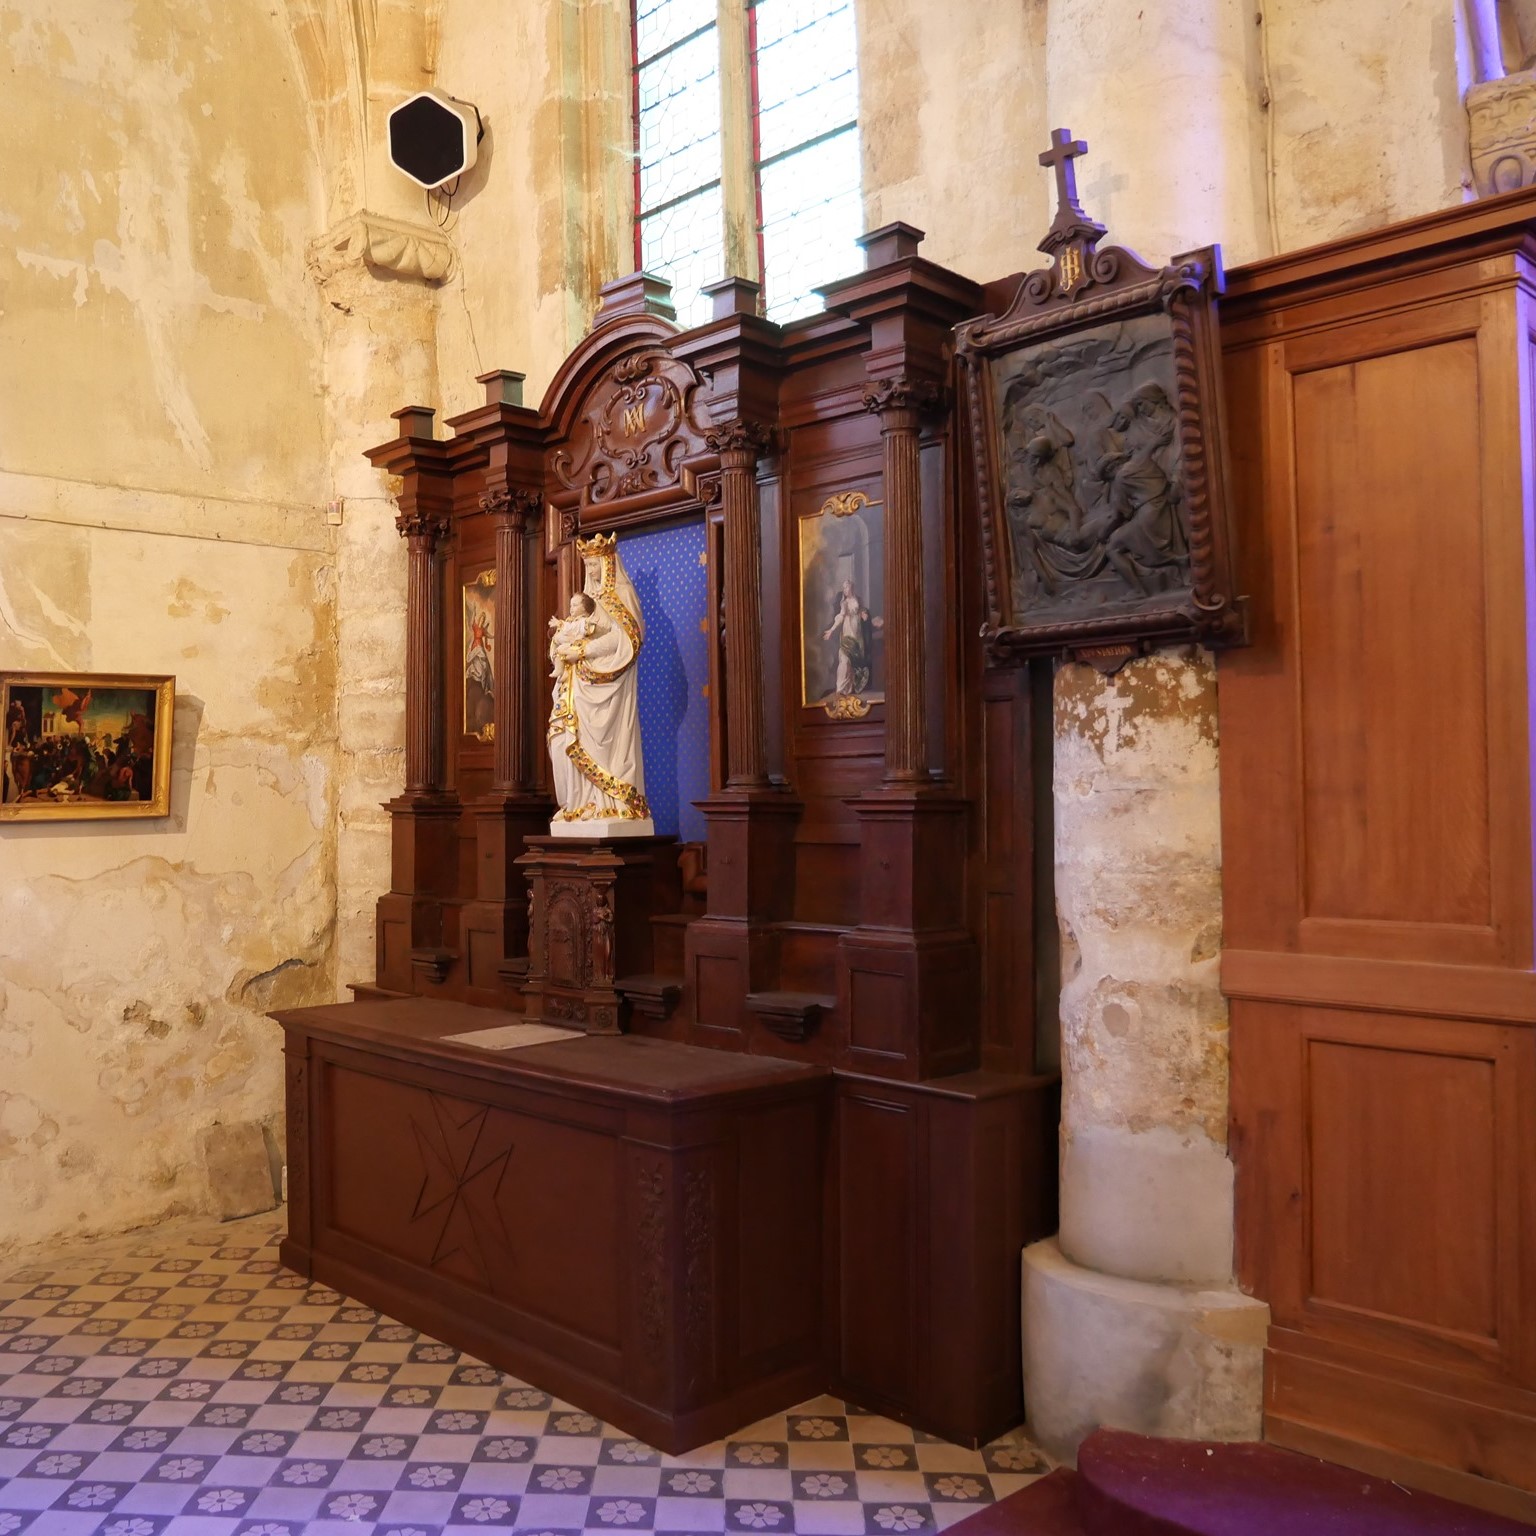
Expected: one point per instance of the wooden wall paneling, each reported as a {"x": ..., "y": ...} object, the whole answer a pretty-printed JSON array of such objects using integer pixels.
[
  {"x": 1378, "y": 847},
  {"x": 881, "y": 1196},
  {"x": 948, "y": 1176}
]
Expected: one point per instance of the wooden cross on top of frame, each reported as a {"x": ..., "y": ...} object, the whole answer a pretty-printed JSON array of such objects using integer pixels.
[
  {"x": 1073, "y": 235},
  {"x": 1095, "y": 409}
]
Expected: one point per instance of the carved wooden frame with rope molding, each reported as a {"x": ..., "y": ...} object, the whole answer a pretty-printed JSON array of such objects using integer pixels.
[{"x": 1086, "y": 290}]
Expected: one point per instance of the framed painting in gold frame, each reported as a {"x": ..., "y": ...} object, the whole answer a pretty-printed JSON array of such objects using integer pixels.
[
  {"x": 842, "y": 601},
  {"x": 479, "y": 645},
  {"x": 85, "y": 745}
]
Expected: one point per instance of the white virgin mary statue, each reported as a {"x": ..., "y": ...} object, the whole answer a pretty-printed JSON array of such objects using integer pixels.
[{"x": 594, "y": 724}]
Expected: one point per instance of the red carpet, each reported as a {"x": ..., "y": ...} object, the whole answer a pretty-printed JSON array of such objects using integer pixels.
[{"x": 1132, "y": 1485}]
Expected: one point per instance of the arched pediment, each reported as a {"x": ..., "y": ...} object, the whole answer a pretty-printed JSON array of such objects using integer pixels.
[{"x": 625, "y": 415}]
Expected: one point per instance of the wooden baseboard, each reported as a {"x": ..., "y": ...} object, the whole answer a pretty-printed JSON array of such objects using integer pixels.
[
  {"x": 1454, "y": 1446},
  {"x": 1464, "y": 1487}
]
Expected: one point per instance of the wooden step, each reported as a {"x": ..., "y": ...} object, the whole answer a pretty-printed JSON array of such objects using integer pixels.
[
  {"x": 1135, "y": 1485},
  {"x": 652, "y": 996},
  {"x": 791, "y": 1016}
]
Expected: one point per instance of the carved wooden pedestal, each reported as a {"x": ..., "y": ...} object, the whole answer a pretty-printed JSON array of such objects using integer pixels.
[
  {"x": 907, "y": 974},
  {"x": 590, "y": 909},
  {"x": 411, "y": 941},
  {"x": 494, "y": 930}
]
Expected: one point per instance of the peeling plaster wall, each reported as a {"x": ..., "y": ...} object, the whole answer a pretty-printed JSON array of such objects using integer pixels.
[
  {"x": 162, "y": 475},
  {"x": 1367, "y": 124},
  {"x": 952, "y": 114},
  {"x": 544, "y": 218}
]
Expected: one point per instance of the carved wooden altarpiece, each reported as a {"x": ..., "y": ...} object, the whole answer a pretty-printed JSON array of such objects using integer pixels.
[
  {"x": 859, "y": 907},
  {"x": 1094, "y": 403}
]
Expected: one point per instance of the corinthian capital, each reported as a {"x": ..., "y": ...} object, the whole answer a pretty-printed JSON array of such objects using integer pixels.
[
  {"x": 511, "y": 504},
  {"x": 418, "y": 522},
  {"x": 747, "y": 440},
  {"x": 926, "y": 397}
]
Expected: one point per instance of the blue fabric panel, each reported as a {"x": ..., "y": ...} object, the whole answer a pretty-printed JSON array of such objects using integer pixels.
[{"x": 667, "y": 568}]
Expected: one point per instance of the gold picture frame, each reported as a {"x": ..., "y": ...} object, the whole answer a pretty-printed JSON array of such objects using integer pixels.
[
  {"x": 478, "y": 642},
  {"x": 842, "y": 556},
  {"x": 85, "y": 746}
]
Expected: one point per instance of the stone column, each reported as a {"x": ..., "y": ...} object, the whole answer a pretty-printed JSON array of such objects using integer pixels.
[
  {"x": 740, "y": 445},
  {"x": 900, "y": 404},
  {"x": 380, "y": 323},
  {"x": 1132, "y": 1317}
]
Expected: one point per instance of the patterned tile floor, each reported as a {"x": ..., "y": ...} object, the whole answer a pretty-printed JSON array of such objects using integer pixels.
[{"x": 182, "y": 1383}]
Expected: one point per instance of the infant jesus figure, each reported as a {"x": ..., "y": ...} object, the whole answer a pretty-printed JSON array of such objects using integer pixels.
[{"x": 567, "y": 635}]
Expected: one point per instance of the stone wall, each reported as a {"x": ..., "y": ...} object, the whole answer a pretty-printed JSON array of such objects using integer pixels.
[{"x": 162, "y": 487}]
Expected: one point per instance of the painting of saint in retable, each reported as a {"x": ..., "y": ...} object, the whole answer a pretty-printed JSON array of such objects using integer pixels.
[
  {"x": 85, "y": 745},
  {"x": 1093, "y": 497},
  {"x": 479, "y": 674},
  {"x": 842, "y": 597}
]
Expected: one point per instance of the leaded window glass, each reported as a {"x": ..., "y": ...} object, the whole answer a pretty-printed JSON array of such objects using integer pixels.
[
  {"x": 794, "y": 97},
  {"x": 679, "y": 228},
  {"x": 808, "y": 149}
]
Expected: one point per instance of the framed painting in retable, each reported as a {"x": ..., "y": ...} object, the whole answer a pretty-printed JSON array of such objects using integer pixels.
[
  {"x": 842, "y": 602},
  {"x": 82, "y": 745},
  {"x": 479, "y": 653}
]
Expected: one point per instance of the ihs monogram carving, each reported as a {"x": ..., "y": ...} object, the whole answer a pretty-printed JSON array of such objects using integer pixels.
[{"x": 642, "y": 419}]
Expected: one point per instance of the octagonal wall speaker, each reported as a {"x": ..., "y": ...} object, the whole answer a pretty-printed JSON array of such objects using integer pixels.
[{"x": 433, "y": 137}]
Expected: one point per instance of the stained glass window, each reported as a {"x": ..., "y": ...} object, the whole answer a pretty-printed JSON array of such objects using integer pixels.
[
  {"x": 800, "y": 190},
  {"x": 680, "y": 232},
  {"x": 806, "y": 66}
]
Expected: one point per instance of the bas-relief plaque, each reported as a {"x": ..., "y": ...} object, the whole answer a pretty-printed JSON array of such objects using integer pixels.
[
  {"x": 842, "y": 600},
  {"x": 1095, "y": 412},
  {"x": 1093, "y": 494}
]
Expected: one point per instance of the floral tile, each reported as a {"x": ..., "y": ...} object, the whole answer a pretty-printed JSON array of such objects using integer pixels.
[{"x": 182, "y": 1383}]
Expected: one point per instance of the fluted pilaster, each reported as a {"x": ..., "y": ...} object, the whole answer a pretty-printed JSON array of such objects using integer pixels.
[
  {"x": 512, "y": 511},
  {"x": 740, "y": 445},
  {"x": 901, "y": 404},
  {"x": 423, "y": 531}
]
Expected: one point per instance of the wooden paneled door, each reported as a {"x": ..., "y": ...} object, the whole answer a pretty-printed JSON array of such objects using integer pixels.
[{"x": 1376, "y": 794}]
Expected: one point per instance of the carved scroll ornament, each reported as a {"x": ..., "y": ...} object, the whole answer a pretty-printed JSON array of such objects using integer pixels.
[{"x": 641, "y": 421}]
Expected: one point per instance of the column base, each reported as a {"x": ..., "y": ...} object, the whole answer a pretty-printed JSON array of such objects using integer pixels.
[{"x": 1184, "y": 1362}]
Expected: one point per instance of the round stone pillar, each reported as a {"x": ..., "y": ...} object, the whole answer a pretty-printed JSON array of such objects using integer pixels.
[{"x": 1132, "y": 1318}]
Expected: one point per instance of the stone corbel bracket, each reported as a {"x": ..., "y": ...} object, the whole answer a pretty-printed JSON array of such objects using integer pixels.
[
  {"x": 414, "y": 251},
  {"x": 1501, "y": 117}
]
